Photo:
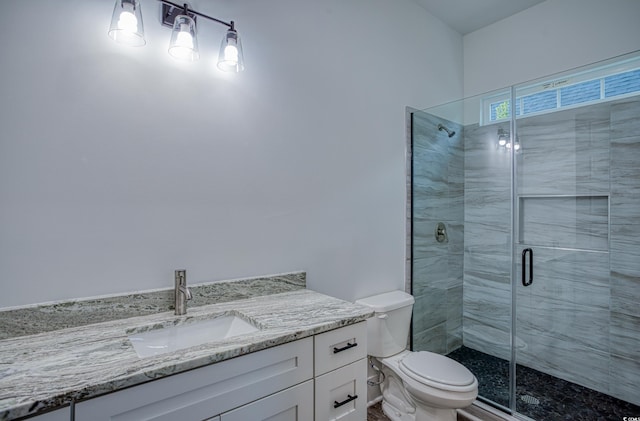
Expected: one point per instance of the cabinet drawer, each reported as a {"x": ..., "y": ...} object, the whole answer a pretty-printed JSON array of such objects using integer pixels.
[
  {"x": 342, "y": 394},
  {"x": 340, "y": 347},
  {"x": 293, "y": 404},
  {"x": 204, "y": 392}
]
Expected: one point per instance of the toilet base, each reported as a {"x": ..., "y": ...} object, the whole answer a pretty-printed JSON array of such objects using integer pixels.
[
  {"x": 402, "y": 401},
  {"x": 426, "y": 413},
  {"x": 421, "y": 414},
  {"x": 394, "y": 415}
]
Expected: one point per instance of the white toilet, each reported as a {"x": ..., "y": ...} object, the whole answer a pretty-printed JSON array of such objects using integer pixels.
[{"x": 417, "y": 386}]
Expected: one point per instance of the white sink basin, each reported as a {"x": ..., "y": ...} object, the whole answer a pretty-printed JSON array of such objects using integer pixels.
[{"x": 156, "y": 340}]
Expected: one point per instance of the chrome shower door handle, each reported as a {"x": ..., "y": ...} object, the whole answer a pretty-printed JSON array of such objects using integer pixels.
[{"x": 526, "y": 282}]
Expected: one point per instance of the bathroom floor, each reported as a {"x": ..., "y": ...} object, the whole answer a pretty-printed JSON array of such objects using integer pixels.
[
  {"x": 541, "y": 396},
  {"x": 374, "y": 413}
]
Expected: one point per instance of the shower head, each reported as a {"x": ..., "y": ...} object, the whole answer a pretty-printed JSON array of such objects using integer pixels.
[{"x": 449, "y": 132}]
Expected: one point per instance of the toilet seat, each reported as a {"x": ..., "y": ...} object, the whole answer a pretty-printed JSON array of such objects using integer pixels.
[{"x": 437, "y": 371}]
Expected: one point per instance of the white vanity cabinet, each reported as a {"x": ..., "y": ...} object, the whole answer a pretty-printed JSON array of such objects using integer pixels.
[
  {"x": 321, "y": 378},
  {"x": 62, "y": 414},
  {"x": 293, "y": 404},
  {"x": 341, "y": 374},
  {"x": 209, "y": 391}
]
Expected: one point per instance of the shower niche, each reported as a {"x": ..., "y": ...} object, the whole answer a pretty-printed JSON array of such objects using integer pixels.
[{"x": 571, "y": 222}]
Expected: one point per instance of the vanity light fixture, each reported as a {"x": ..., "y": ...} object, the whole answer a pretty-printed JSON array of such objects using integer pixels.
[
  {"x": 126, "y": 23},
  {"x": 126, "y": 27},
  {"x": 184, "y": 43}
]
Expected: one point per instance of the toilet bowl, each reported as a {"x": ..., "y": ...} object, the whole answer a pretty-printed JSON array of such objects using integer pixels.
[{"x": 417, "y": 386}]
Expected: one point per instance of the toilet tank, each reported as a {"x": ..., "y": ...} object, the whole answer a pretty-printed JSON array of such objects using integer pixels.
[{"x": 388, "y": 329}]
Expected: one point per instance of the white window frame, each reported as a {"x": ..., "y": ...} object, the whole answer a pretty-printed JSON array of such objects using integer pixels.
[{"x": 598, "y": 73}]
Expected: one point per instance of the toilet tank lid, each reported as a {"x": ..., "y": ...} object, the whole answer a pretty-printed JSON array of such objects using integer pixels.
[{"x": 387, "y": 301}]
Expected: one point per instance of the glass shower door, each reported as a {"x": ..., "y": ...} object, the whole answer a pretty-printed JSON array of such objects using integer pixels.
[
  {"x": 534, "y": 285},
  {"x": 561, "y": 254}
]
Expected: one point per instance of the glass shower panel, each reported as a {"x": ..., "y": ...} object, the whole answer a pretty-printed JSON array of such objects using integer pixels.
[
  {"x": 438, "y": 212},
  {"x": 461, "y": 182},
  {"x": 525, "y": 241},
  {"x": 575, "y": 169}
]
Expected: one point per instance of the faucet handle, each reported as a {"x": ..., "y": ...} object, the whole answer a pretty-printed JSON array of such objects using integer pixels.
[{"x": 182, "y": 292}]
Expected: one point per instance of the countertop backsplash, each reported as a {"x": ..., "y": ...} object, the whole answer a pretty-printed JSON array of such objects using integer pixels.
[{"x": 48, "y": 317}]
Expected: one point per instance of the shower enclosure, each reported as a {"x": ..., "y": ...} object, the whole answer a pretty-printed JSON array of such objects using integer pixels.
[{"x": 525, "y": 241}]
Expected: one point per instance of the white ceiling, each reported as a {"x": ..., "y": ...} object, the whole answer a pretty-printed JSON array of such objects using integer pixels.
[{"x": 468, "y": 15}]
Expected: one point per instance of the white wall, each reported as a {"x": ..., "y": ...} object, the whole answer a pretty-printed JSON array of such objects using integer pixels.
[
  {"x": 550, "y": 37},
  {"x": 119, "y": 165}
]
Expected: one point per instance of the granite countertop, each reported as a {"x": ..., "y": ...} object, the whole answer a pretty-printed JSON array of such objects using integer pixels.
[{"x": 52, "y": 369}]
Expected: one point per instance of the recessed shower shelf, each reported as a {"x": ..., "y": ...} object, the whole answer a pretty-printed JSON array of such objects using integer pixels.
[{"x": 564, "y": 221}]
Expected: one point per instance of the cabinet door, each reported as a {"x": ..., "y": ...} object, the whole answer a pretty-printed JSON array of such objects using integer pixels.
[
  {"x": 342, "y": 394},
  {"x": 207, "y": 391},
  {"x": 63, "y": 414},
  {"x": 293, "y": 404},
  {"x": 340, "y": 347}
]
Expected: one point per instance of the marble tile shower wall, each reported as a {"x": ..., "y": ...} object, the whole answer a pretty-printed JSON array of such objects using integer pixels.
[
  {"x": 487, "y": 242},
  {"x": 578, "y": 207},
  {"x": 438, "y": 192},
  {"x": 624, "y": 328}
]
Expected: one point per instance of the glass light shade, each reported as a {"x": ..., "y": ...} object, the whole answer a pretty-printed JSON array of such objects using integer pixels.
[
  {"x": 184, "y": 43},
  {"x": 503, "y": 137},
  {"x": 230, "y": 58},
  {"x": 126, "y": 23}
]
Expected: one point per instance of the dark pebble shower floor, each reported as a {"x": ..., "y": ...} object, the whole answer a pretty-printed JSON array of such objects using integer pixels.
[{"x": 539, "y": 395}]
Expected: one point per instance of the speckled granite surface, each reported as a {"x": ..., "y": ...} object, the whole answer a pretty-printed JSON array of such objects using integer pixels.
[
  {"x": 51, "y": 369},
  {"x": 45, "y": 318}
]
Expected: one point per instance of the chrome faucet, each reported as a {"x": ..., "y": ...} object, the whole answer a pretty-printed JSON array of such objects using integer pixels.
[{"x": 182, "y": 292}]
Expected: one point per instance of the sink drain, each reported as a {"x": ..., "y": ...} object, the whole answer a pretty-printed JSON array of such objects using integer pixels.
[{"x": 530, "y": 399}]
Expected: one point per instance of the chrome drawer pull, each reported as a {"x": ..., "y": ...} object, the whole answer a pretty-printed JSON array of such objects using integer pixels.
[
  {"x": 350, "y": 398},
  {"x": 344, "y": 348}
]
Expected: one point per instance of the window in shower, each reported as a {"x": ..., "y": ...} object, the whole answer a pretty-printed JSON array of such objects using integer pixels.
[{"x": 596, "y": 85}]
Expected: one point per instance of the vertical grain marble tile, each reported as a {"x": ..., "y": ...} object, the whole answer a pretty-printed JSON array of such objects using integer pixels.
[
  {"x": 625, "y": 249},
  {"x": 592, "y": 148},
  {"x": 624, "y": 118},
  {"x": 625, "y": 180},
  {"x": 487, "y": 339},
  {"x": 546, "y": 163},
  {"x": 432, "y": 340},
  {"x": 564, "y": 321},
  {"x": 485, "y": 166},
  {"x": 425, "y": 132},
  {"x": 624, "y": 378},
  {"x": 575, "y": 276},
  {"x": 437, "y": 192},
  {"x": 625, "y": 233},
  {"x": 625, "y": 341},
  {"x": 429, "y": 309},
  {"x": 430, "y": 271},
  {"x": 488, "y": 303},
  {"x": 454, "y": 318},
  {"x": 455, "y": 270},
  {"x": 561, "y": 361}
]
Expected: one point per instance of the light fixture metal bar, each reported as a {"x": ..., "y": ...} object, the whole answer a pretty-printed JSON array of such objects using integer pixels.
[{"x": 229, "y": 24}]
